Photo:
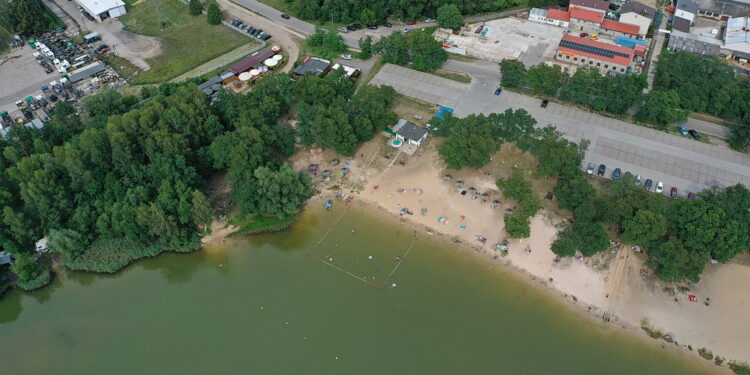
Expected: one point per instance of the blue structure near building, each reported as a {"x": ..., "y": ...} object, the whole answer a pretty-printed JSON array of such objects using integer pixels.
[
  {"x": 442, "y": 109},
  {"x": 629, "y": 42}
]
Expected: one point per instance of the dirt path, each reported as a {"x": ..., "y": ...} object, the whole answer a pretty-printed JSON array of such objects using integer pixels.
[{"x": 281, "y": 36}]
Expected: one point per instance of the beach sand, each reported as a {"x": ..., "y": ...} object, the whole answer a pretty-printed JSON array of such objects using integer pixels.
[{"x": 609, "y": 282}]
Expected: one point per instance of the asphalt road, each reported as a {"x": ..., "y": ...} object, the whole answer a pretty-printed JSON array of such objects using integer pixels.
[{"x": 676, "y": 160}]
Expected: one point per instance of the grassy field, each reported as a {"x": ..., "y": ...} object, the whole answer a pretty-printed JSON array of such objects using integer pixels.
[
  {"x": 123, "y": 67},
  {"x": 187, "y": 41},
  {"x": 453, "y": 75}
]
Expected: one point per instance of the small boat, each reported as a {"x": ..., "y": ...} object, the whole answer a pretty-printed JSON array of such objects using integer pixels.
[{"x": 329, "y": 204}]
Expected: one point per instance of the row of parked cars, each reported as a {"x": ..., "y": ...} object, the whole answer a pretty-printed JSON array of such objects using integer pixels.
[
  {"x": 648, "y": 184},
  {"x": 258, "y": 33},
  {"x": 691, "y": 132}
]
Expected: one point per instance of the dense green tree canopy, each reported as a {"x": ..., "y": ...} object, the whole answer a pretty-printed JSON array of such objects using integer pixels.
[
  {"x": 661, "y": 108},
  {"x": 214, "y": 14},
  {"x": 545, "y": 79},
  {"x": 330, "y": 41},
  {"x": 449, "y": 17},
  {"x": 195, "y": 7},
  {"x": 513, "y": 73},
  {"x": 417, "y": 47}
]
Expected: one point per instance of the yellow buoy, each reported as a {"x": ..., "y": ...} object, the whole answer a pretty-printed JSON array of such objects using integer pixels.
[
  {"x": 336, "y": 357},
  {"x": 262, "y": 307}
]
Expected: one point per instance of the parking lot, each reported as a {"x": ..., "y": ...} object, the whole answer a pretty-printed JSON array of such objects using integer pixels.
[
  {"x": 21, "y": 76},
  {"x": 676, "y": 160},
  {"x": 507, "y": 38}
]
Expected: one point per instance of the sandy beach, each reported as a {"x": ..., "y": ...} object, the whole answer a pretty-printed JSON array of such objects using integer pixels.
[{"x": 609, "y": 285}]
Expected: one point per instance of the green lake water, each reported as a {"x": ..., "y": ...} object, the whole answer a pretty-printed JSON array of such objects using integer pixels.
[{"x": 272, "y": 309}]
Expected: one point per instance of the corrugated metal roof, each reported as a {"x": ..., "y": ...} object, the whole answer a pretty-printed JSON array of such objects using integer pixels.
[
  {"x": 738, "y": 30},
  {"x": 621, "y": 27},
  {"x": 557, "y": 14},
  {"x": 251, "y": 62},
  {"x": 538, "y": 12},
  {"x": 586, "y": 15}
]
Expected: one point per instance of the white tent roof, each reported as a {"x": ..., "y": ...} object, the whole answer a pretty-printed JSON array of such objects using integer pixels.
[{"x": 101, "y": 6}]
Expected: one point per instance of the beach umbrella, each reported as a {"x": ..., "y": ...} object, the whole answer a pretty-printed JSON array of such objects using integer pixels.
[
  {"x": 254, "y": 72},
  {"x": 496, "y": 204},
  {"x": 472, "y": 190},
  {"x": 278, "y": 57},
  {"x": 335, "y": 162},
  {"x": 344, "y": 170},
  {"x": 275, "y": 48},
  {"x": 263, "y": 69},
  {"x": 270, "y": 63},
  {"x": 447, "y": 177},
  {"x": 245, "y": 76},
  {"x": 326, "y": 173},
  {"x": 459, "y": 183}
]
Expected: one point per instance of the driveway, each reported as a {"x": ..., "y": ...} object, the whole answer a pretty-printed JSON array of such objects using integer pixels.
[
  {"x": 134, "y": 47},
  {"x": 676, "y": 160},
  {"x": 280, "y": 35}
]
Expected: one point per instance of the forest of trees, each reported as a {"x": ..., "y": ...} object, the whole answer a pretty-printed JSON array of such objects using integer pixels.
[
  {"x": 345, "y": 11},
  {"x": 113, "y": 184},
  {"x": 30, "y": 16},
  {"x": 706, "y": 85}
]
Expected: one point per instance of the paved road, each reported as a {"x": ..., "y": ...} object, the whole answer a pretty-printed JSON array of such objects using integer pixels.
[{"x": 676, "y": 160}]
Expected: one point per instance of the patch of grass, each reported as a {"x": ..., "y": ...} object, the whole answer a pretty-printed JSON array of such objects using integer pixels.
[
  {"x": 187, "y": 41},
  {"x": 740, "y": 368},
  {"x": 122, "y": 66},
  {"x": 457, "y": 57},
  {"x": 453, "y": 75},
  {"x": 655, "y": 333},
  {"x": 705, "y": 353},
  {"x": 407, "y": 107},
  {"x": 259, "y": 223},
  {"x": 111, "y": 255}
]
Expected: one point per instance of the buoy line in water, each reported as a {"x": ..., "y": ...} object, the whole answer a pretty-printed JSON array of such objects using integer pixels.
[{"x": 399, "y": 261}]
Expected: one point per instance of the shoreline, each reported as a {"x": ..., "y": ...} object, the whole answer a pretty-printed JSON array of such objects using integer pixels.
[
  {"x": 611, "y": 283},
  {"x": 581, "y": 308}
]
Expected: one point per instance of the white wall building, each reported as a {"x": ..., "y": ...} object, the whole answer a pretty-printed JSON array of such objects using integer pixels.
[{"x": 103, "y": 9}]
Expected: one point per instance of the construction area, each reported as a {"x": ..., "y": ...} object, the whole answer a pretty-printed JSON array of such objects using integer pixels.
[{"x": 505, "y": 38}]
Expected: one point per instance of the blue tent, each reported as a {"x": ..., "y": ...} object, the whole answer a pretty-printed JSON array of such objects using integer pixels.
[{"x": 443, "y": 109}]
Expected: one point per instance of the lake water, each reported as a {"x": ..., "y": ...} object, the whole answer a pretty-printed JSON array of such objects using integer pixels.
[{"x": 272, "y": 309}]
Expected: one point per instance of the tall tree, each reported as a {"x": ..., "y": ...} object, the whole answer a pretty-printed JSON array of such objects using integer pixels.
[
  {"x": 214, "y": 14},
  {"x": 545, "y": 79},
  {"x": 661, "y": 108},
  {"x": 195, "y": 7},
  {"x": 513, "y": 73},
  {"x": 449, "y": 17}
]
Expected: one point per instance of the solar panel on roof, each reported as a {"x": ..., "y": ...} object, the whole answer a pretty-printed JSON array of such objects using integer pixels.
[{"x": 591, "y": 49}]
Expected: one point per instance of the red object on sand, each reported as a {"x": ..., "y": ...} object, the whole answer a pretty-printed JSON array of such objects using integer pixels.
[{"x": 692, "y": 298}]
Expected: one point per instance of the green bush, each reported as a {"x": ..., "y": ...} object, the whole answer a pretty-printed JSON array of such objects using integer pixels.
[
  {"x": 705, "y": 353},
  {"x": 109, "y": 255},
  {"x": 740, "y": 368},
  {"x": 43, "y": 279}
]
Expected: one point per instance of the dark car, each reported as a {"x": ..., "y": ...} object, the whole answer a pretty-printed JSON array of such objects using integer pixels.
[
  {"x": 387, "y": 24},
  {"x": 694, "y": 134},
  {"x": 498, "y": 91},
  {"x": 357, "y": 26},
  {"x": 673, "y": 192},
  {"x": 583, "y": 35},
  {"x": 351, "y": 28},
  {"x": 691, "y": 195},
  {"x": 372, "y": 27},
  {"x": 616, "y": 174},
  {"x": 257, "y": 32},
  {"x": 285, "y": 16},
  {"x": 544, "y": 103},
  {"x": 266, "y": 37},
  {"x": 601, "y": 170},
  {"x": 648, "y": 184}
]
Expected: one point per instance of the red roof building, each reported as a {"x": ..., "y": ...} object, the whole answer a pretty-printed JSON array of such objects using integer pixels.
[
  {"x": 559, "y": 15},
  {"x": 625, "y": 28},
  {"x": 586, "y": 15},
  {"x": 575, "y": 46},
  {"x": 602, "y": 5}
]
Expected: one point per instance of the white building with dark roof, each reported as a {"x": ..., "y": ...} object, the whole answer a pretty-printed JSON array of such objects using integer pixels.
[{"x": 103, "y": 9}]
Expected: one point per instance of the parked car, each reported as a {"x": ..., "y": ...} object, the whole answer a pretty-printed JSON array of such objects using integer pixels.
[
  {"x": 428, "y": 20},
  {"x": 692, "y": 195},
  {"x": 343, "y": 29},
  {"x": 673, "y": 192},
  {"x": 583, "y": 35},
  {"x": 357, "y": 26},
  {"x": 544, "y": 103},
  {"x": 346, "y": 57},
  {"x": 351, "y": 28},
  {"x": 372, "y": 27},
  {"x": 594, "y": 37},
  {"x": 387, "y": 24},
  {"x": 498, "y": 90},
  {"x": 682, "y": 130},
  {"x": 266, "y": 37},
  {"x": 602, "y": 169},
  {"x": 590, "y": 169},
  {"x": 616, "y": 174},
  {"x": 406, "y": 29},
  {"x": 648, "y": 185},
  {"x": 411, "y": 22},
  {"x": 659, "y": 187},
  {"x": 285, "y": 16},
  {"x": 638, "y": 179},
  {"x": 694, "y": 134}
]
